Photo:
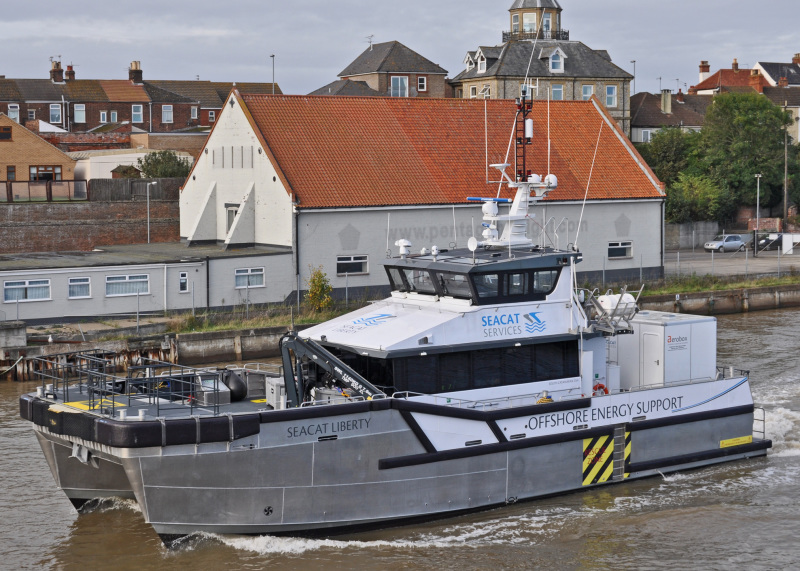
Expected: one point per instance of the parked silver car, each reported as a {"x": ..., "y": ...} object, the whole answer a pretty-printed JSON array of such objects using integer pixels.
[{"x": 725, "y": 243}]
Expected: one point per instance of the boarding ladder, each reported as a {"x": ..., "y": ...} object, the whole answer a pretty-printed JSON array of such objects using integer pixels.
[{"x": 620, "y": 437}]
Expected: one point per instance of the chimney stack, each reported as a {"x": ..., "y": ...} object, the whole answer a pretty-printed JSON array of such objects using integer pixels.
[
  {"x": 735, "y": 65},
  {"x": 666, "y": 101},
  {"x": 135, "y": 72},
  {"x": 70, "y": 73},
  {"x": 705, "y": 71},
  {"x": 679, "y": 96},
  {"x": 796, "y": 59},
  {"x": 783, "y": 82},
  {"x": 56, "y": 73},
  {"x": 755, "y": 81}
]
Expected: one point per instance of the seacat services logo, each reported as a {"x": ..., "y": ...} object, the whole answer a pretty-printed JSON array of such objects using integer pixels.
[
  {"x": 363, "y": 323},
  {"x": 534, "y": 324}
]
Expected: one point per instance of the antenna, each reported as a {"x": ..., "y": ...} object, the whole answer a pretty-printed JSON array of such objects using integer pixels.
[
  {"x": 369, "y": 39},
  {"x": 659, "y": 84},
  {"x": 588, "y": 182}
]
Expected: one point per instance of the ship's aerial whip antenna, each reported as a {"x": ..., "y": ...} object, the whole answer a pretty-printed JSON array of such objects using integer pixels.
[{"x": 588, "y": 182}]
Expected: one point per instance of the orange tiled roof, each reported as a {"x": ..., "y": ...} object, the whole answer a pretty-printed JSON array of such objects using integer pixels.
[
  {"x": 123, "y": 90},
  {"x": 728, "y": 78},
  {"x": 374, "y": 151}
]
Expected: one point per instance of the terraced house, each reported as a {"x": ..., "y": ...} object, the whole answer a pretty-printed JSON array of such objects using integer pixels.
[
  {"x": 538, "y": 55},
  {"x": 98, "y": 105}
]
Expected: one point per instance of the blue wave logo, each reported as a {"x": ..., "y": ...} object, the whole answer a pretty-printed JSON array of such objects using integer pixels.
[
  {"x": 534, "y": 325},
  {"x": 373, "y": 320}
]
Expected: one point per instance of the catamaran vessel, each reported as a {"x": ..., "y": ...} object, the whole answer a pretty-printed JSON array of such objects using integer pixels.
[{"x": 485, "y": 378}]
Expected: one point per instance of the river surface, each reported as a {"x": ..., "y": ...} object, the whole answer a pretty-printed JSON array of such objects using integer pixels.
[{"x": 741, "y": 515}]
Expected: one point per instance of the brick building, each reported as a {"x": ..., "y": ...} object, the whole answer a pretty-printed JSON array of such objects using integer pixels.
[
  {"x": 24, "y": 156},
  {"x": 389, "y": 69}
]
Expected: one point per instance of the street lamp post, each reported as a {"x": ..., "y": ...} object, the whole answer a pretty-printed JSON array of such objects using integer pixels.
[
  {"x": 758, "y": 209},
  {"x": 273, "y": 73},
  {"x": 149, "y": 184}
]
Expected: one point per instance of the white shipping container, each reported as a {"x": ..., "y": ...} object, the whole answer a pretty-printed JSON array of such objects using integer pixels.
[{"x": 667, "y": 348}]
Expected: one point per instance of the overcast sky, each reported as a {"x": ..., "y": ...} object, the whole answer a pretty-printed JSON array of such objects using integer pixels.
[{"x": 313, "y": 40}]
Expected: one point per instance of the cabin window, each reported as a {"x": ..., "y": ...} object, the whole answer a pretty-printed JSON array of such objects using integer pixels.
[
  {"x": 454, "y": 285},
  {"x": 352, "y": 265},
  {"x": 396, "y": 279},
  {"x": 26, "y": 290},
  {"x": 79, "y": 288},
  {"x": 544, "y": 281},
  {"x": 127, "y": 285},
  {"x": 419, "y": 281},
  {"x": 620, "y": 250},
  {"x": 487, "y": 285},
  {"x": 465, "y": 370},
  {"x": 516, "y": 284},
  {"x": 80, "y": 113}
]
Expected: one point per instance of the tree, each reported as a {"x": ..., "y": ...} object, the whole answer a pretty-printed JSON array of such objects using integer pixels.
[
  {"x": 164, "y": 164},
  {"x": 319, "y": 291},
  {"x": 741, "y": 137},
  {"x": 698, "y": 197},
  {"x": 668, "y": 153}
]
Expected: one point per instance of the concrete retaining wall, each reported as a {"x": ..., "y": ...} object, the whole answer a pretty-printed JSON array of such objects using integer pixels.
[
  {"x": 727, "y": 301},
  {"x": 691, "y": 234}
]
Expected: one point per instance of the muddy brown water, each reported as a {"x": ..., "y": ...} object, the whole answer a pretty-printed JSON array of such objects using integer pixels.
[{"x": 742, "y": 515}]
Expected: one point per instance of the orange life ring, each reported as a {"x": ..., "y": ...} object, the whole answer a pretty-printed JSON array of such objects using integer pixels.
[{"x": 600, "y": 389}]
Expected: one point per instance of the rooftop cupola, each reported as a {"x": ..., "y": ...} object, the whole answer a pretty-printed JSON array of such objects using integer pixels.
[{"x": 531, "y": 19}]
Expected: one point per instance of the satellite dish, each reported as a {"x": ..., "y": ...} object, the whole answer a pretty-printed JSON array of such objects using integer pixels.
[{"x": 472, "y": 244}]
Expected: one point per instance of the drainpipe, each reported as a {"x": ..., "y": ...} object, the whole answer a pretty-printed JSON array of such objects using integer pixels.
[
  {"x": 150, "y": 111},
  {"x": 165, "y": 290},
  {"x": 64, "y": 110}
]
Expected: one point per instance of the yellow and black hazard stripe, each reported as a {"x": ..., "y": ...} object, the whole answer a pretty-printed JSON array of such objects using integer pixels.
[
  {"x": 627, "y": 461},
  {"x": 598, "y": 459}
]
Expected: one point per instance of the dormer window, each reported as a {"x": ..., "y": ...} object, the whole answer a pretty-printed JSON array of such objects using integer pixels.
[
  {"x": 556, "y": 63},
  {"x": 481, "y": 64}
]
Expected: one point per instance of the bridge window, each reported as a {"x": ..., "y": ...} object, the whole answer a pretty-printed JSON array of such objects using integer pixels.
[{"x": 454, "y": 285}]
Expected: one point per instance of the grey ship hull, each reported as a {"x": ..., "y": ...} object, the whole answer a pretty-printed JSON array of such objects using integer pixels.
[{"x": 325, "y": 469}]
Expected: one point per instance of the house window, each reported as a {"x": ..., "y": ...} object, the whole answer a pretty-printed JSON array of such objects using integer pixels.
[
  {"x": 13, "y": 112},
  {"x": 166, "y": 113},
  {"x": 183, "y": 282},
  {"x": 31, "y": 114},
  {"x": 481, "y": 64},
  {"x": 113, "y": 116},
  {"x": 212, "y": 116},
  {"x": 5, "y": 133},
  {"x": 558, "y": 92},
  {"x": 137, "y": 113},
  {"x": 249, "y": 277},
  {"x": 352, "y": 265},
  {"x": 26, "y": 290},
  {"x": 231, "y": 210},
  {"x": 104, "y": 116},
  {"x": 611, "y": 96},
  {"x": 587, "y": 91},
  {"x": 486, "y": 91},
  {"x": 422, "y": 84},
  {"x": 127, "y": 285},
  {"x": 79, "y": 288},
  {"x": 55, "y": 113},
  {"x": 473, "y": 92},
  {"x": 515, "y": 23},
  {"x": 546, "y": 22},
  {"x": 645, "y": 135},
  {"x": 556, "y": 63},
  {"x": 80, "y": 113},
  {"x": 11, "y": 173},
  {"x": 194, "y": 112},
  {"x": 620, "y": 250},
  {"x": 529, "y": 23},
  {"x": 45, "y": 173},
  {"x": 399, "y": 86}
]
